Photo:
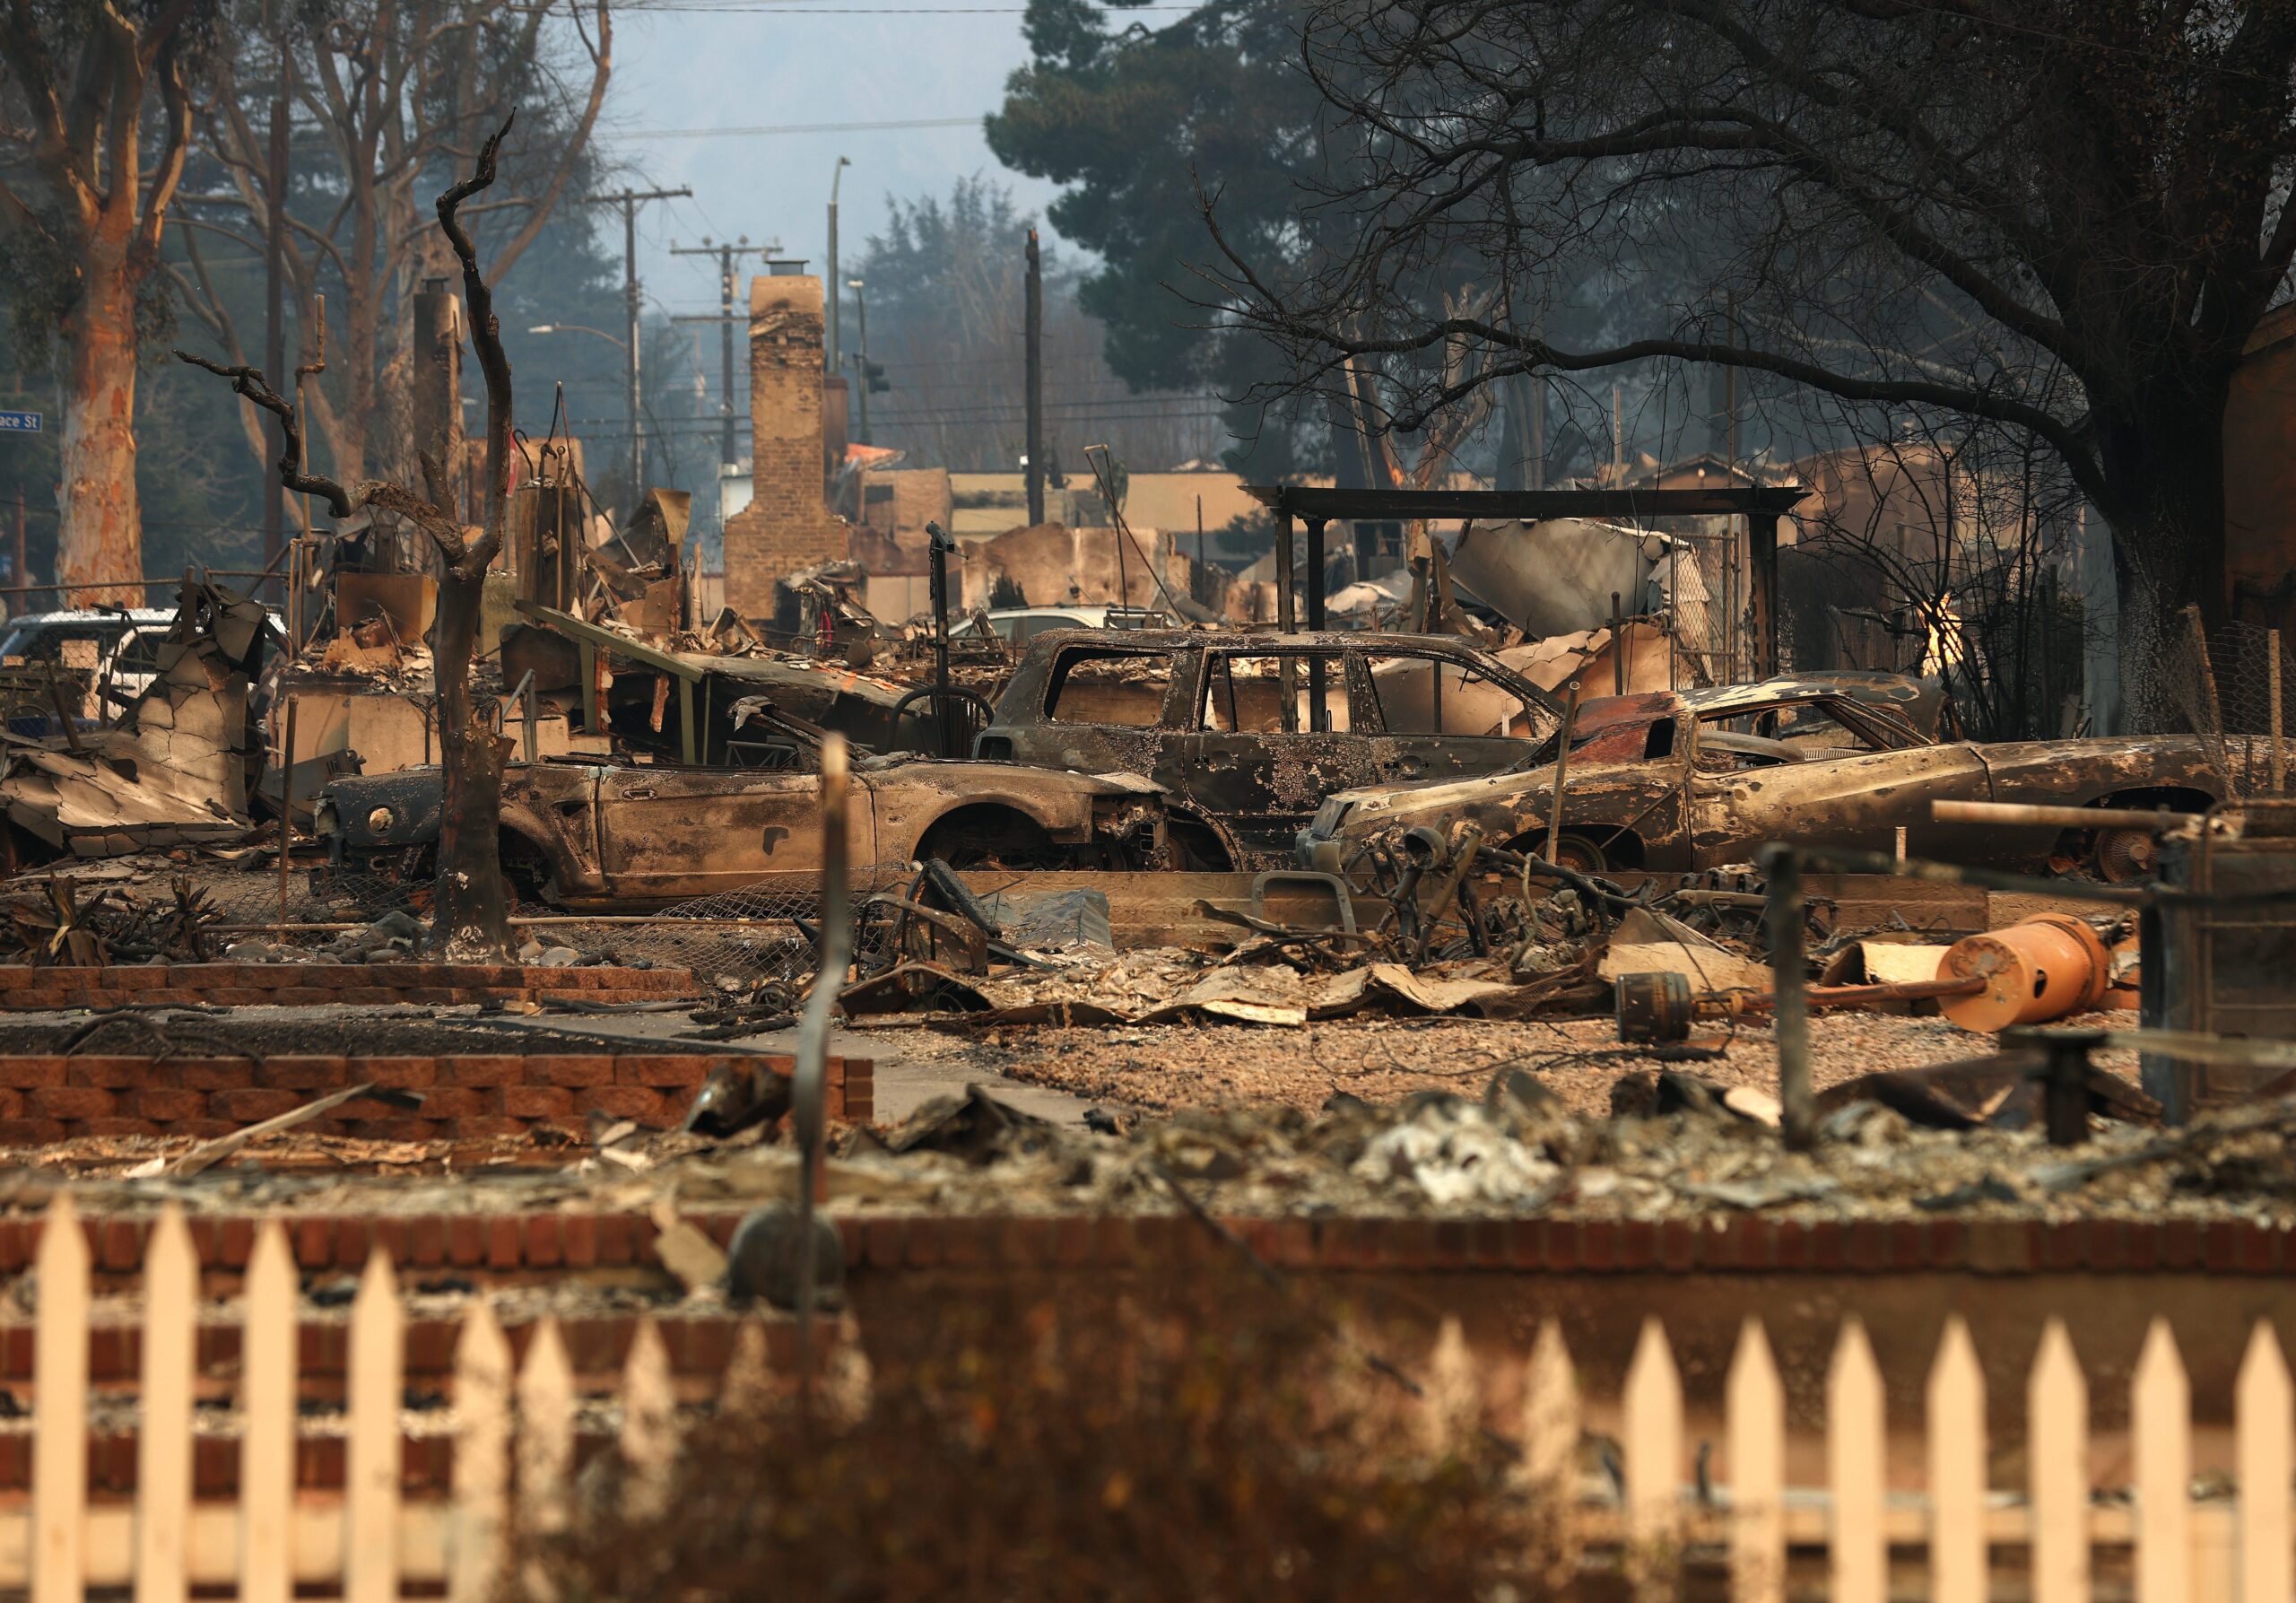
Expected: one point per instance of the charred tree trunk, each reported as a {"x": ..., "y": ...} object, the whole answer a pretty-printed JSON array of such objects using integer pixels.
[
  {"x": 472, "y": 909},
  {"x": 471, "y": 918},
  {"x": 2166, "y": 461}
]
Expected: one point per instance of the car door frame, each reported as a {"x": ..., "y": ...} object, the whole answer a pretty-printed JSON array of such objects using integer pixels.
[{"x": 1263, "y": 832}]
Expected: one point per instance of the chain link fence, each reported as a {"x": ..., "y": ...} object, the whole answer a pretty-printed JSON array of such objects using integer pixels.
[
  {"x": 2232, "y": 690},
  {"x": 1705, "y": 590}
]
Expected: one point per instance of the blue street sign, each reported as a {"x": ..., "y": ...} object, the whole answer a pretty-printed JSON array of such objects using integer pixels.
[{"x": 18, "y": 422}]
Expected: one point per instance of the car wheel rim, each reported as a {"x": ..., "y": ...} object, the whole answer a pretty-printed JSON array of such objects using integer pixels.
[
  {"x": 1577, "y": 852},
  {"x": 2125, "y": 855}
]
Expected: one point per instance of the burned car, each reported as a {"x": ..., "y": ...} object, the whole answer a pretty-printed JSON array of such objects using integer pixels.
[
  {"x": 590, "y": 834},
  {"x": 1247, "y": 733},
  {"x": 1697, "y": 779}
]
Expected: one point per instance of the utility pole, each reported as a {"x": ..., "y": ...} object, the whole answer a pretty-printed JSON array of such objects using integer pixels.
[
  {"x": 836, "y": 295},
  {"x": 1034, "y": 357},
  {"x": 628, "y": 200},
  {"x": 729, "y": 453},
  {"x": 274, "y": 310},
  {"x": 861, "y": 362}
]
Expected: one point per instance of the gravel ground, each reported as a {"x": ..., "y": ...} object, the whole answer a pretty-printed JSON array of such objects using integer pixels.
[{"x": 1164, "y": 1068}]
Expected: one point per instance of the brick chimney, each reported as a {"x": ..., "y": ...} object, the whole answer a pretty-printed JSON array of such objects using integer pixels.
[{"x": 787, "y": 525}]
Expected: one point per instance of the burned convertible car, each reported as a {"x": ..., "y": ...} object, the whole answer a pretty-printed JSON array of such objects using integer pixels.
[
  {"x": 1697, "y": 779},
  {"x": 591, "y": 834}
]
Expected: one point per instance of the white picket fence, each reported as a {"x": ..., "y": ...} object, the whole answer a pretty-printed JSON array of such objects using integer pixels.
[{"x": 368, "y": 1541}]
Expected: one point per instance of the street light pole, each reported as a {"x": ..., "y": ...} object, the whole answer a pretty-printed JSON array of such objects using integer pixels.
[
  {"x": 628, "y": 201},
  {"x": 836, "y": 297},
  {"x": 861, "y": 363}
]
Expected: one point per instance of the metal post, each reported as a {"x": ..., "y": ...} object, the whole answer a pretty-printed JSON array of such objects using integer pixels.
[
  {"x": 936, "y": 541},
  {"x": 1562, "y": 764},
  {"x": 1032, "y": 355},
  {"x": 1618, "y": 648},
  {"x": 2279, "y": 760},
  {"x": 1286, "y": 621},
  {"x": 1784, "y": 915},
  {"x": 17, "y": 576},
  {"x": 1318, "y": 711},
  {"x": 275, "y": 293},
  {"x": 1761, "y": 541}
]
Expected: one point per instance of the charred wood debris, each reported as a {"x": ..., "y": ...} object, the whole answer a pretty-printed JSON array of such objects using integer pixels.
[{"x": 182, "y": 826}]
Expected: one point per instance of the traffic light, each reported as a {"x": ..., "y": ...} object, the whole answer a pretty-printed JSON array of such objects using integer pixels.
[{"x": 875, "y": 372}]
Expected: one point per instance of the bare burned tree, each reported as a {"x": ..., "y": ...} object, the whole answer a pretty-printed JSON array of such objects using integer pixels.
[
  {"x": 2063, "y": 217},
  {"x": 472, "y": 916}
]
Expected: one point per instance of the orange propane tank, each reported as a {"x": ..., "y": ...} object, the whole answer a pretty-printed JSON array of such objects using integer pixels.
[{"x": 2038, "y": 969}]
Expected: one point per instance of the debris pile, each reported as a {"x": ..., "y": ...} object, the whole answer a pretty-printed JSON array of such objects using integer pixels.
[{"x": 175, "y": 769}]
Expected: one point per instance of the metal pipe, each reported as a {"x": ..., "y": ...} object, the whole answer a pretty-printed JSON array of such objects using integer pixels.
[
  {"x": 2069, "y": 818},
  {"x": 1618, "y": 648},
  {"x": 286, "y": 801},
  {"x": 1783, "y": 868},
  {"x": 810, "y": 1084},
  {"x": 1561, "y": 764}
]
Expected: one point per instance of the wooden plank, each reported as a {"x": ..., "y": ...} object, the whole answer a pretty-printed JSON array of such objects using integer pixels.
[
  {"x": 746, "y": 1392},
  {"x": 1956, "y": 1423},
  {"x": 482, "y": 1470},
  {"x": 545, "y": 1445},
  {"x": 1855, "y": 1432},
  {"x": 374, "y": 1387},
  {"x": 163, "y": 1435},
  {"x": 2263, "y": 1408},
  {"x": 649, "y": 1439},
  {"x": 1755, "y": 1403},
  {"x": 2159, "y": 1419},
  {"x": 1653, "y": 1451},
  {"x": 1551, "y": 1430},
  {"x": 269, "y": 1357},
  {"x": 60, "y": 1407},
  {"x": 1450, "y": 1405},
  {"x": 2056, "y": 1408}
]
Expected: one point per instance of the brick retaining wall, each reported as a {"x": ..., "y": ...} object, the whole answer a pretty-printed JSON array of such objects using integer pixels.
[
  {"x": 44, "y": 1100},
  {"x": 28, "y": 989},
  {"x": 522, "y": 1245}
]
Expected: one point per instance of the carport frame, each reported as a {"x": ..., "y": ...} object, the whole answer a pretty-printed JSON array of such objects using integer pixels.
[{"x": 1316, "y": 506}]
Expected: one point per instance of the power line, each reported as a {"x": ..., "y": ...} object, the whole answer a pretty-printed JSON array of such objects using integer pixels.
[{"x": 774, "y": 128}]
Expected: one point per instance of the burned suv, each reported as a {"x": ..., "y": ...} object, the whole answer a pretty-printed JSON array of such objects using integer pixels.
[{"x": 1247, "y": 733}]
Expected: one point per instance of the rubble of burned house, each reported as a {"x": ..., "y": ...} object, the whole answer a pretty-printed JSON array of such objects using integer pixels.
[{"x": 1116, "y": 846}]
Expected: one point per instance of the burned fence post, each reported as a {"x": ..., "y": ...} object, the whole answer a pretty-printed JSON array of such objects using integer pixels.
[
  {"x": 2065, "y": 1087},
  {"x": 1783, "y": 868}
]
